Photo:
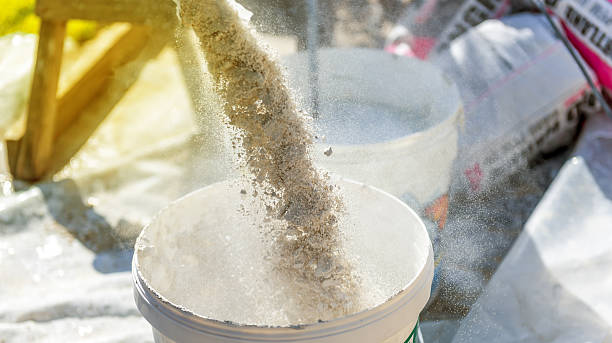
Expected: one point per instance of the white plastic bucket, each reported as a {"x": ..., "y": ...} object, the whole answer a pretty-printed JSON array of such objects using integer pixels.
[
  {"x": 394, "y": 321},
  {"x": 417, "y": 164}
]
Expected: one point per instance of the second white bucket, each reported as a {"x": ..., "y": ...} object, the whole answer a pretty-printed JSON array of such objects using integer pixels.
[
  {"x": 391, "y": 243},
  {"x": 391, "y": 121}
]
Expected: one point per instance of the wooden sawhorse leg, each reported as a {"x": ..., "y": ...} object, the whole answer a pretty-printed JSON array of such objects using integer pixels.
[{"x": 33, "y": 152}]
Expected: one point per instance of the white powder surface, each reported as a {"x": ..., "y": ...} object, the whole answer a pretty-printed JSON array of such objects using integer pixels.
[
  {"x": 356, "y": 122},
  {"x": 204, "y": 254}
]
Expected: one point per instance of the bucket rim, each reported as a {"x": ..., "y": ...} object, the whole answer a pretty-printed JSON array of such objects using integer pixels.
[
  {"x": 449, "y": 90},
  {"x": 445, "y": 127},
  {"x": 160, "y": 307}
]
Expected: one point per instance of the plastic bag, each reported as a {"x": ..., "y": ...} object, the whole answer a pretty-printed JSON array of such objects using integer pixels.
[
  {"x": 429, "y": 26},
  {"x": 523, "y": 93},
  {"x": 587, "y": 26}
]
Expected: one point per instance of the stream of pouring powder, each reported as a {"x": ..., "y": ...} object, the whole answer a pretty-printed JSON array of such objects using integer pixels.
[{"x": 276, "y": 138}]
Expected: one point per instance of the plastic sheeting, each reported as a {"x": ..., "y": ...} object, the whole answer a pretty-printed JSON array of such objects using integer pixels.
[
  {"x": 16, "y": 63},
  {"x": 523, "y": 93},
  {"x": 554, "y": 285},
  {"x": 55, "y": 289}
]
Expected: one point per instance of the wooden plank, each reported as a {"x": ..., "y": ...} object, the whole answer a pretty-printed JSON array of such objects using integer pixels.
[
  {"x": 69, "y": 142},
  {"x": 12, "y": 148},
  {"x": 126, "y": 48},
  {"x": 36, "y": 146},
  {"x": 136, "y": 11}
]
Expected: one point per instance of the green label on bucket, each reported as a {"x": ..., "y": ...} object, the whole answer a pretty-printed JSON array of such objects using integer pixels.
[{"x": 414, "y": 337}]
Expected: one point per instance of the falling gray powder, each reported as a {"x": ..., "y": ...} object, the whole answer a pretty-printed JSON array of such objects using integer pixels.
[{"x": 303, "y": 207}]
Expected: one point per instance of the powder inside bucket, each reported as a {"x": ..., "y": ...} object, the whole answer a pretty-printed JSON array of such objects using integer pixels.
[
  {"x": 355, "y": 122},
  {"x": 203, "y": 254}
]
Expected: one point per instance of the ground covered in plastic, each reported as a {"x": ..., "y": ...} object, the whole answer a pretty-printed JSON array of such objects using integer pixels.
[{"x": 66, "y": 244}]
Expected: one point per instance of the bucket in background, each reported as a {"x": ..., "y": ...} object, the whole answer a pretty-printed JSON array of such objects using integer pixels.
[
  {"x": 406, "y": 144},
  {"x": 388, "y": 222}
]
